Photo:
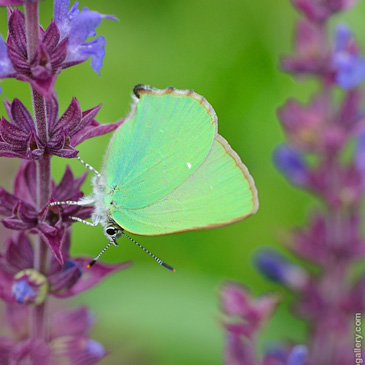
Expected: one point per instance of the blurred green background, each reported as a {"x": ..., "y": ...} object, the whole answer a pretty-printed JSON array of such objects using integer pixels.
[{"x": 229, "y": 52}]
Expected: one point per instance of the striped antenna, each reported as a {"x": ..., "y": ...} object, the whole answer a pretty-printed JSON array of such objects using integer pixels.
[
  {"x": 101, "y": 252},
  {"x": 150, "y": 253}
]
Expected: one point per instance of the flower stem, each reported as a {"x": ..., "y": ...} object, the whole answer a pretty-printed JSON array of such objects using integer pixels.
[
  {"x": 32, "y": 28},
  {"x": 38, "y": 322}
]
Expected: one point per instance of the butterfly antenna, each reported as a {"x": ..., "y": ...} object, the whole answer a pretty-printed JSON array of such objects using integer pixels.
[
  {"x": 150, "y": 253},
  {"x": 101, "y": 252}
]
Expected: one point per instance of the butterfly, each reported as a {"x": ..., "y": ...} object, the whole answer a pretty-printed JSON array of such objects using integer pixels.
[{"x": 167, "y": 170}]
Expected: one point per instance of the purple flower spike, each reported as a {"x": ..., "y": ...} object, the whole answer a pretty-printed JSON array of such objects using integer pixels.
[
  {"x": 291, "y": 164},
  {"x": 277, "y": 268},
  {"x": 346, "y": 60},
  {"x": 32, "y": 270},
  {"x": 77, "y": 27}
]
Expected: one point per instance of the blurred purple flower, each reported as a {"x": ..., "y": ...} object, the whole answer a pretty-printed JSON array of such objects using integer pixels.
[
  {"x": 5, "y": 350},
  {"x": 277, "y": 268},
  {"x": 346, "y": 60},
  {"x": 68, "y": 341},
  {"x": 16, "y": 2},
  {"x": 297, "y": 355},
  {"x": 304, "y": 125},
  {"x": 77, "y": 350},
  {"x": 292, "y": 165},
  {"x": 77, "y": 26},
  {"x": 30, "y": 352},
  {"x": 311, "y": 55},
  {"x": 320, "y": 10},
  {"x": 318, "y": 158},
  {"x": 245, "y": 315}
]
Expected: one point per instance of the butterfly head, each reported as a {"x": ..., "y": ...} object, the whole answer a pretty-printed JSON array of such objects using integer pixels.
[{"x": 112, "y": 231}]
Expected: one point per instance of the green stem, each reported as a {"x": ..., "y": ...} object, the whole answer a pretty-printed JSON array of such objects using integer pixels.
[{"x": 38, "y": 319}]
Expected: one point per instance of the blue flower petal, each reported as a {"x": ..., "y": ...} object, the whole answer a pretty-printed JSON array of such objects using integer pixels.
[
  {"x": 95, "y": 49},
  {"x": 95, "y": 349},
  {"x": 280, "y": 270},
  {"x": 273, "y": 265},
  {"x": 63, "y": 17},
  {"x": 349, "y": 65},
  {"x": 291, "y": 164},
  {"x": 22, "y": 291},
  {"x": 6, "y": 67},
  {"x": 78, "y": 26},
  {"x": 60, "y": 10},
  {"x": 298, "y": 355},
  {"x": 343, "y": 36},
  {"x": 350, "y": 76},
  {"x": 83, "y": 25}
]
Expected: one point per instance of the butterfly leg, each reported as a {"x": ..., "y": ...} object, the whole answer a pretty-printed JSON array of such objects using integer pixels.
[
  {"x": 67, "y": 202},
  {"x": 88, "y": 166},
  {"x": 82, "y": 202},
  {"x": 77, "y": 219}
]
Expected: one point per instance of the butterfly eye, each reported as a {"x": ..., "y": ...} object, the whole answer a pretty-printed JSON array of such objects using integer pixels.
[{"x": 110, "y": 231}]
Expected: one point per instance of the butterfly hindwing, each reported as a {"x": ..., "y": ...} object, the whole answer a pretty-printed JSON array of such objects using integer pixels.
[{"x": 219, "y": 192}]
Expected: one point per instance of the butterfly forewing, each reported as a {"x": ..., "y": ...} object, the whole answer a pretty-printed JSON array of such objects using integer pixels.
[{"x": 160, "y": 145}]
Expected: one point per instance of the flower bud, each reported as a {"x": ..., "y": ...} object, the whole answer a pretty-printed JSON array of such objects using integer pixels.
[
  {"x": 235, "y": 299},
  {"x": 30, "y": 287},
  {"x": 346, "y": 59},
  {"x": 277, "y": 268},
  {"x": 291, "y": 164},
  {"x": 76, "y": 349}
]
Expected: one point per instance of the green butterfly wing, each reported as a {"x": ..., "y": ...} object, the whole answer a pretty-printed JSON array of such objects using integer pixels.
[
  {"x": 164, "y": 140},
  {"x": 167, "y": 170},
  {"x": 221, "y": 191}
]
